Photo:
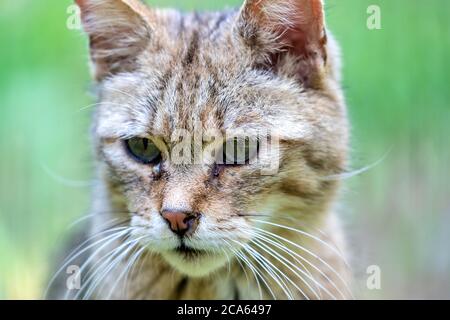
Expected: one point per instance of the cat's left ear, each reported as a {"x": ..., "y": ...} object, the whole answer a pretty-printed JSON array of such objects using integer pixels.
[
  {"x": 285, "y": 35},
  {"x": 118, "y": 31}
]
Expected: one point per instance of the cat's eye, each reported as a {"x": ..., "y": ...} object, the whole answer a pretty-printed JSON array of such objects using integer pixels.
[
  {"x": 143, "y": 150},
  {"x": 238, "y": 151}
]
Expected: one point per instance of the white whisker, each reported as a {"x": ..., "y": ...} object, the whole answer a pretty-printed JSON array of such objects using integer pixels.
[
  {"x": 310, "y": 253},
  {"x": 109, "y": 240},
  {"x": 306, "y": 234},
  {"x": 265, "y": 267},
  {"x": 255, "y": 271},
  {"x": 127, "y": 267},
  {"x": 112, "y": 262},
  {"x": 295, "y": 254},
  {"x": 288, "y": 265},
  {"x": 272, "y": 270},
  {"x": 76, "y": 253},
  {"x": 353, "y": 173}
]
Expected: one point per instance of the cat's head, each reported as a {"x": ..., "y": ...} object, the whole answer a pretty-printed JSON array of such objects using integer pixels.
[{"x": 265, "y": 74}]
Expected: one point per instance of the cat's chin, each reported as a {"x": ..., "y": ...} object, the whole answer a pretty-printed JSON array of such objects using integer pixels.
[{"x": 194, "y": 263}]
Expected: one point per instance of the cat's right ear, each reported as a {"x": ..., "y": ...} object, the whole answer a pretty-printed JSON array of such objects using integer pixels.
[{"x": 118, "y": 31}]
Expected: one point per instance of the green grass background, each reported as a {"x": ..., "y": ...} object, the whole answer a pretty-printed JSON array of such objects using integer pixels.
[{"x": 397, "y": 84}]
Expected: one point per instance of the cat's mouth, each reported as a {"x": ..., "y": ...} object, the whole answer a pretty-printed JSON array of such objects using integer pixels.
[
  {"x": 192, "y": 261},
  {"x": 189, "y": 252}
]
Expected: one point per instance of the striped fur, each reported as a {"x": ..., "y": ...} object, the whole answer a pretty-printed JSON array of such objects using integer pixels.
[{"x": 269, "y": 66}]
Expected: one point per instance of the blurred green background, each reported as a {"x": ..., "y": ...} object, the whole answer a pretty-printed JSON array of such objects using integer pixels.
[{"x": 397, "y": 83}]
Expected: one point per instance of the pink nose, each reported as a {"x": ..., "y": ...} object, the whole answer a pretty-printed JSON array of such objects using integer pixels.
[{"x": 181, "y": 223}]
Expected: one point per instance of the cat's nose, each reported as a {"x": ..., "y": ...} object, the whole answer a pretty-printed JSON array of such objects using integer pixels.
[{"x": 182, "y": 223}]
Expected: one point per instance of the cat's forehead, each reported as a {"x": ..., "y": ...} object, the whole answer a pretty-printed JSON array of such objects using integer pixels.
[
  {"x": 194, "y": 76},
  {"x": 158, "y": 101}
]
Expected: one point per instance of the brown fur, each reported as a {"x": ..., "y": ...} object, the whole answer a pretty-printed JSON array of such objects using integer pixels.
[{"x": 269, "y": 66}]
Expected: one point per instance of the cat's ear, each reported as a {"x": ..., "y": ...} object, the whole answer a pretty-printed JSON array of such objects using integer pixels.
[
  {"x": 285, "y": 34},
  {"x": 118, "y": 31}
]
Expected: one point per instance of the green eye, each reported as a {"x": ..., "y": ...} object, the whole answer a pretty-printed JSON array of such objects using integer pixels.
[
  {"x": 143, "y": 150},
  {"x": 239, "y": 151}
]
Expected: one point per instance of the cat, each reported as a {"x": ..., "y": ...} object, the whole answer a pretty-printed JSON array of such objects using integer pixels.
[{"x": 213, "y": 229}]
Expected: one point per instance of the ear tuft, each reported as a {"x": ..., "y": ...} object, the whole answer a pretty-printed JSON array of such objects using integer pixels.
[
  {"x": 280, "y": 32},
  {"x": 118, "y": 31}
]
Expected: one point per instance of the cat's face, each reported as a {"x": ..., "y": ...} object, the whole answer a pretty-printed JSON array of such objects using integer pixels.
[{"x": 175, "y": 88}]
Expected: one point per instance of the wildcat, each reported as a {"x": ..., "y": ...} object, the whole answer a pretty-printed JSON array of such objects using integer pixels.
[{"x": 160, "y": 229}]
